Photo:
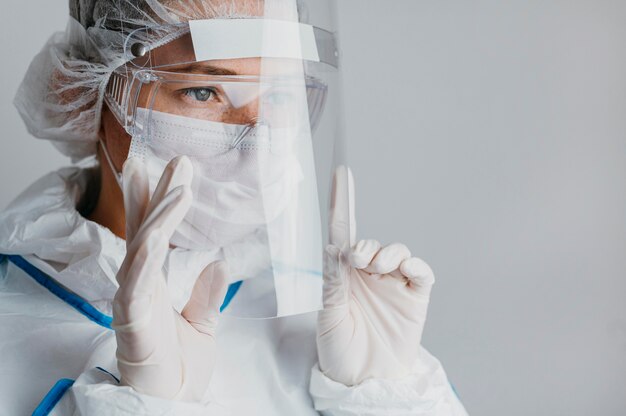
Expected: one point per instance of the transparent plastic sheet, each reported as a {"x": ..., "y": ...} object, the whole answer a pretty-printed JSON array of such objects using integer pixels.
[{"x": 260, "y": 126}]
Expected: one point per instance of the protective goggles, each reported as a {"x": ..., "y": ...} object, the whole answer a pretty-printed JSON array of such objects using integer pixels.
[{"x": 186, "y": 70}]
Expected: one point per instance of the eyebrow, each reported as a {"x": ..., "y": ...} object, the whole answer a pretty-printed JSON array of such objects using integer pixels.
[{"x": 196, "y": 68}]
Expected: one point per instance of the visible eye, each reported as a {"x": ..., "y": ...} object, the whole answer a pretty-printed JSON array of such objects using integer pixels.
[{"x": 201, "y": 94}]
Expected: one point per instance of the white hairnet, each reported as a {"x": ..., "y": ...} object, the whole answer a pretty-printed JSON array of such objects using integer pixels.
[{"x": 61, "y": 96}]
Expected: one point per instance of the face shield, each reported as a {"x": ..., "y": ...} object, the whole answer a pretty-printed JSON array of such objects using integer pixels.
[{"x": 253, "y": 102}]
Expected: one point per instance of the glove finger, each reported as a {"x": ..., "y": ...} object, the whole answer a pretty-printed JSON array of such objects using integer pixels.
[
  {"x": 388, "y": 259},
  {"x": 363, "y": 253},
  {"x": 336, "y": 275},
  {"x": 342, "y": 221},
  {"x": 419, "y": 274},
  {"x": 136, "y": 195},
  {"x": 178, "y": 172},
  {"x": 203, "y": 308},
  {"x": 132, "y": 302},
  {"x": 164, "y": 219},
  {"x": 168, "y": 213}
]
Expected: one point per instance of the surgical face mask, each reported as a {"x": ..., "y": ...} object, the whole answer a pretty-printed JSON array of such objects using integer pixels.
[{"x": 244, "y": 176}]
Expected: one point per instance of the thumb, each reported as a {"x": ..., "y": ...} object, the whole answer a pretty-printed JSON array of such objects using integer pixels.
[{"x": 203, "y": 308}]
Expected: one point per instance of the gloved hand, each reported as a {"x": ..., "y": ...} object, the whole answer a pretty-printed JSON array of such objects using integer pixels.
[
  {"x": 375, "y": 300},
  {"x": 160, "y": 352}
]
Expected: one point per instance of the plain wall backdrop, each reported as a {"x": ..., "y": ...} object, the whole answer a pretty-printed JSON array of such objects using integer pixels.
[{"x": 490, "y": 137}]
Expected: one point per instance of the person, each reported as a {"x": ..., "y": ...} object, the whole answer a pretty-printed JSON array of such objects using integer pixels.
[{"x": 177, "y": 267}]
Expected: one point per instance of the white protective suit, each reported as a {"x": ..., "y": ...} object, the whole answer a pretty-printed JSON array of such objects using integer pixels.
[{"x": 57, "y": 281}]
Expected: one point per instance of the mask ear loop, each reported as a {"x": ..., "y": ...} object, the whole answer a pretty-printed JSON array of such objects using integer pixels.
[{"x": 118, "y": 175}]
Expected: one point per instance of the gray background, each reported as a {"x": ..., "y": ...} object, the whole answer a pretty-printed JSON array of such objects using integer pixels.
[{"x": 490, "y": 137}]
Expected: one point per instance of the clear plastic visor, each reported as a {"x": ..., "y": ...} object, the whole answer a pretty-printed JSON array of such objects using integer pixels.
[{"x": 258, "y": 130}]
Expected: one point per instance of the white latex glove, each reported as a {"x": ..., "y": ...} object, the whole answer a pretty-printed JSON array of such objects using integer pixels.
[
  {"x": 375, "y": 300},
  {"x": 160, "y": 352}
]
